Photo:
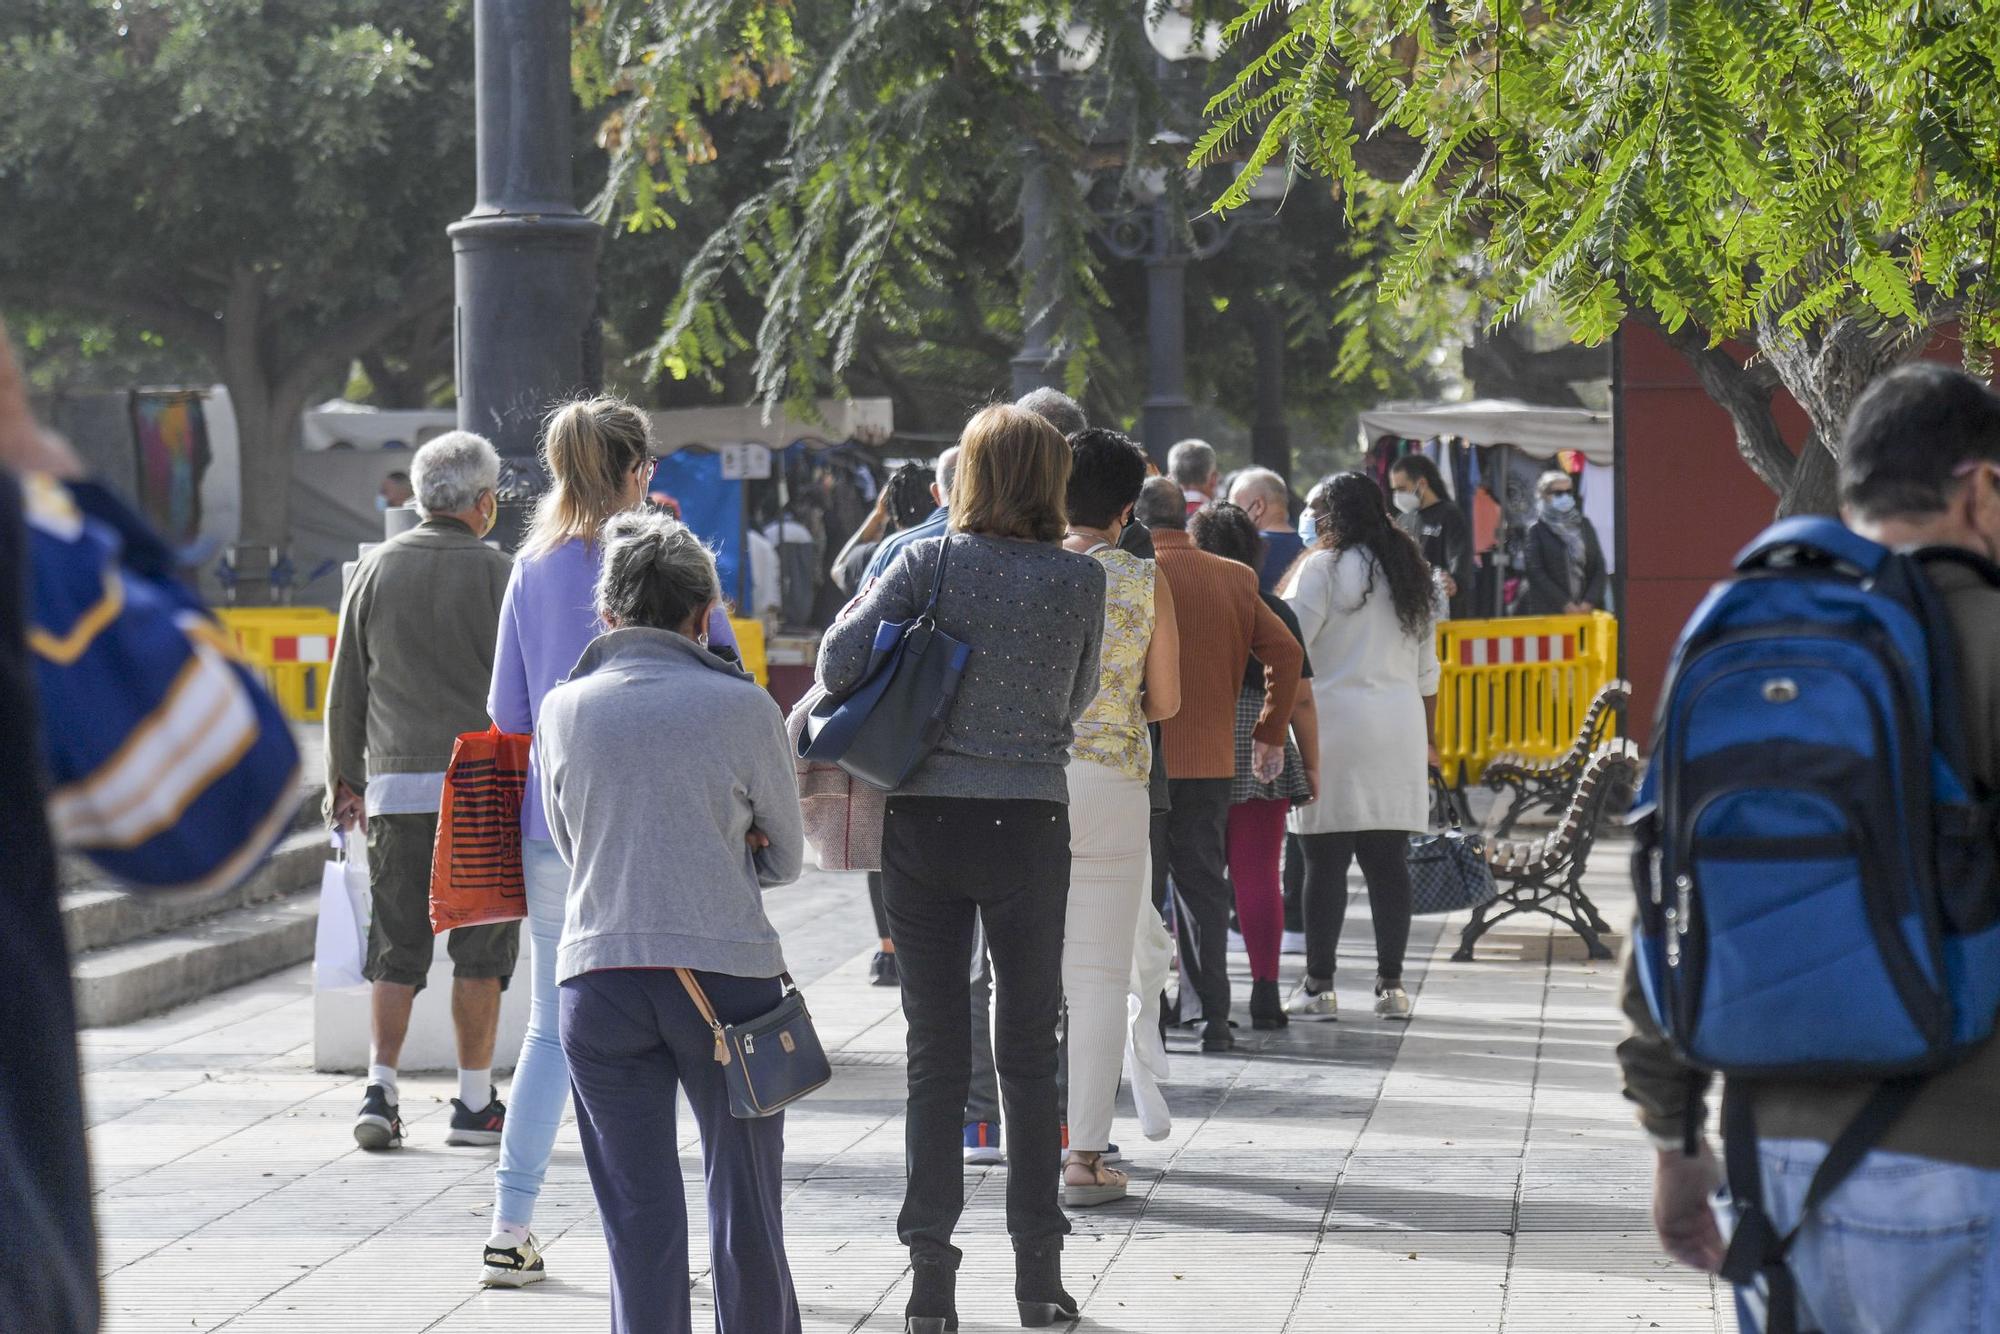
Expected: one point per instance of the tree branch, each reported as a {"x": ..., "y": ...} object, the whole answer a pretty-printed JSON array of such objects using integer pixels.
[{"x": 341, "y": 344}]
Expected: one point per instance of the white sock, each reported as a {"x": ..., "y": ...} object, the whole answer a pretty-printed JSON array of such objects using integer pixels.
[
  {"x": 385, "y": 1075},
  {"x": 475, "y": 1089},
  {"x": 517, "y": 1231}
]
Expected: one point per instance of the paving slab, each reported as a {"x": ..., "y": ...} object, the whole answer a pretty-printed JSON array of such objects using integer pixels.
[{"x": 1474, "y": 1170}]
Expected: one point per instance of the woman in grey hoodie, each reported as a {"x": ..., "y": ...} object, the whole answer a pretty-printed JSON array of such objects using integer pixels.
[{"x": 668, "y": 785}]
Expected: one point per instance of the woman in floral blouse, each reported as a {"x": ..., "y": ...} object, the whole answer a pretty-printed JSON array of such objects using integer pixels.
[{"x": 1109, "y": 812}]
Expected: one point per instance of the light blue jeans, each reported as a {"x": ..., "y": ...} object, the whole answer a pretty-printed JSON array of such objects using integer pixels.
[
  {"x": 540, "y": 1090},
  {"x": 1905, "y": 1245}
]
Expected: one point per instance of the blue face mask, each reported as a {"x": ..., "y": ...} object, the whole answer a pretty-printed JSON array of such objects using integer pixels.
[
  {"x": 381, "y": 501},
  {"x": 1308, "y": 528},
  {"x": 1562, "y": 504}
]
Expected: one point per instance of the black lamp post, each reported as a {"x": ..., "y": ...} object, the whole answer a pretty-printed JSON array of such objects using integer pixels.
[{"x": 526, "y": 259}]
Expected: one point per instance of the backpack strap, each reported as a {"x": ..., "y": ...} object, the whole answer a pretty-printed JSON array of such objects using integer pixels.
[
  {"x": 1815, "y": 534},
  {"x": 1757, "y": 1250}
]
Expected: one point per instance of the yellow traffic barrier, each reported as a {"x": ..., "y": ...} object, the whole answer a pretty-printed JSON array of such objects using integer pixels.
[
  {"x": 1519, "y": 684},
  {"x": 293, "y": 648},
  {"x": 750, "y": 646}
]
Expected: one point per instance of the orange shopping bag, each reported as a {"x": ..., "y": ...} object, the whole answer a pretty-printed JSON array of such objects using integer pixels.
[{"x": 476, "y": 865}]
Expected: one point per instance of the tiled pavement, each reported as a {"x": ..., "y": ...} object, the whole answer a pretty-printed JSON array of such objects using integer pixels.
[{"x": 1474, "y": 1171}]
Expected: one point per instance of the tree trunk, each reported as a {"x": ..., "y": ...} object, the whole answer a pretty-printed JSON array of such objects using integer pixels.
[{"x": 1814, "y": 486}]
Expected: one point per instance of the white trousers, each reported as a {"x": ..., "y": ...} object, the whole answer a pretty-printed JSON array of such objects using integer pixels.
[{"x": 1108, "y": 821}]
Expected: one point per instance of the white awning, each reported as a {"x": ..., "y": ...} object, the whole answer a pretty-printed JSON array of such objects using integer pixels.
[{"x": 1537, "y": 431}]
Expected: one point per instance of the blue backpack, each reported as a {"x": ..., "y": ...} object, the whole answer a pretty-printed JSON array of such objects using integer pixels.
[{"x": 1815, "y": 873}]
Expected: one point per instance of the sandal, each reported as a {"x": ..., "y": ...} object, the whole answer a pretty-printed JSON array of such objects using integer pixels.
[{"x": 1104, "y": 1185}]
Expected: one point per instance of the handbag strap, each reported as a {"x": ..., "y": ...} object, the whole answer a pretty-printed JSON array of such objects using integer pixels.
[
  {"x": 700, "y": 999},
  {"x": 1446, "y": 800},
  {"x": 937, "y": 580}
]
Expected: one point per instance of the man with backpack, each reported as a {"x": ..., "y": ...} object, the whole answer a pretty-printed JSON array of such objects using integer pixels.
[{"x": 1819, "y": 919}]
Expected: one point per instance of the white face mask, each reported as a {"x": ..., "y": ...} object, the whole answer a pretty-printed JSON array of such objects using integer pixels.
[
  {"x": 1308, "y": 528},
  {"x": 1407, "y": 502}
]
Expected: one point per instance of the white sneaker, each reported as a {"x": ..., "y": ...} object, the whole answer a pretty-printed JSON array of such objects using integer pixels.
[
  {"x": 1310, "y": 1005},
  {"x": 512, "y": 1263},
  {"x": 1391, "y": 1001},
  {"x": 1294, "y": 942}
]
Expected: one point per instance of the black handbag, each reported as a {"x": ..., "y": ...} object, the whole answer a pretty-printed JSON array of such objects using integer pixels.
[
  {"x": 885, "y": 727},
  {"x": 769, "y": 1062},
  {"x": 1448, "y": 870}
]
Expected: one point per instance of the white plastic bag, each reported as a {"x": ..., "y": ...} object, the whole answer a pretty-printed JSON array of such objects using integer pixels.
[{"x": 340, "y": 947}]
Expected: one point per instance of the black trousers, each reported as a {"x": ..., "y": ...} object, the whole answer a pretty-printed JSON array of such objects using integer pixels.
[
  {"x": 1196, "y": 834},
  {"x": 1295, "y": 884},
  {"x": 1383, "y": 854},
  {"x": 875, "y": 903},
  {"x": 943, "y": 860}
]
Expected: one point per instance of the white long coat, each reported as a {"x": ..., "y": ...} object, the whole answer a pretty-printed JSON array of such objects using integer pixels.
[{"x": 1369, "y": 683}]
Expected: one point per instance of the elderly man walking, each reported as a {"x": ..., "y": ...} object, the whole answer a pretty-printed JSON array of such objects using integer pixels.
[
  {"x": 1222, "y": 624},
  {"x": 410, "y": 671}
]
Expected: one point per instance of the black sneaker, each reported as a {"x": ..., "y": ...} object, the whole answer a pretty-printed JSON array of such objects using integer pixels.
[
  {"x": 480, "y": 1127},
  {"x": 882, "y": 972},
  {"x": 380, "y": 1125}
]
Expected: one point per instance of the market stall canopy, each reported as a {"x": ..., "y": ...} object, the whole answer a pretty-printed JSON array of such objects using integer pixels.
[{"x": 1535, "y": 430}]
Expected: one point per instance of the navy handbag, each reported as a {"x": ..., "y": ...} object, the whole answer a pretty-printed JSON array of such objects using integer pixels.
[
  {"x": 881, "y": 730},
  {"x": 1448, "y": 870},
  {"x": 768, "y": 1062}
]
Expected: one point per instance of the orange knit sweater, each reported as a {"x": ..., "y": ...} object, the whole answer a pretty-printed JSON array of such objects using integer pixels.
[{"x": 1223, "y": 624}]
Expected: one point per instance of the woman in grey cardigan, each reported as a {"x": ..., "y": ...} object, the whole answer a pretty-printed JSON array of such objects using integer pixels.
[
  {"x": 982, "y": 827},
  {"x": 668, "y": 786}
]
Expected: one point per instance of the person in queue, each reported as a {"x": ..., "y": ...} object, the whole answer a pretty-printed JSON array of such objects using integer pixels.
[
  {"x": 1109, "y": 804},
  {"x": 1257, "y": 809},
  {"x": 672, "y": 831},
  {"x": 1223, "y": 625},
  {"x": 600, "y": 461},
  {"x": 1191, "y": 463},
  {"x": 1363, "y": 599},
  {"x": 1263, "y": 495},
  {"x": 410, "y": 666},
  {"x": 981, "y": 828}
]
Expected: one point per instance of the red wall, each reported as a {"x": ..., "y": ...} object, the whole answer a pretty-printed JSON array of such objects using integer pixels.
[{"x": 1691, "y": 503}]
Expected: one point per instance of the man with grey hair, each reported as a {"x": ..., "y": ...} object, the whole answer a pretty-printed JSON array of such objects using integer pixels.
[
  {"x": 411, "y": 666},
  {"x": 1192, "y": 464},
  {"x": 1263, "y": 495},
  {"x": 1056, "y": 408}
]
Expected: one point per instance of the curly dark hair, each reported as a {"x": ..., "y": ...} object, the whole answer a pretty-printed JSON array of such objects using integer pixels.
[
  {"x": 1351, "y": 511},
  {"x": 910, "y": 502},
  {"x": 1226, "y": 530}
]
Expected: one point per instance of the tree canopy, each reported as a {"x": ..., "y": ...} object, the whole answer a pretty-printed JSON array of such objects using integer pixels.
[
  {"x": 264, "y": 183},
  {"x": 876, "y": 238},
  {"x": 1818, "y": 181}
]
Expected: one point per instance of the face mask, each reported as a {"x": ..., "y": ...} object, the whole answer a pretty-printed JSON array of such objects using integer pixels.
[
  {"x": 1407, "y": 502},
  {"x": 381, "y": 501},
  {"x": 1308, "y": 528},
  {"x": 1562, "y": 504}
]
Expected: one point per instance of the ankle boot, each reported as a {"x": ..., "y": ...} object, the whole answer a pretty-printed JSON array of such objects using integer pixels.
[
  {"x": 1038, "y": 1288},
  {"x": 933, "y": 1305},
  {"x": 1267, "y": 1007}
]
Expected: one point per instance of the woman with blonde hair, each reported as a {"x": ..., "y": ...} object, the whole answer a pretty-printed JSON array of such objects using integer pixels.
[
  {"x": 981, "y": 828},
  {"x": 599, "y": 457}
]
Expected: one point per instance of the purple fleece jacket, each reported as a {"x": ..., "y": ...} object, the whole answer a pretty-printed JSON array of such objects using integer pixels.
[{"x": 547, "y": 620}]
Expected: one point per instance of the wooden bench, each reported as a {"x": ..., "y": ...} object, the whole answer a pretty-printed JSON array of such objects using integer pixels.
[
  {"x": 1549, "y": 784},
  {"x": 1546, "y": 875}
]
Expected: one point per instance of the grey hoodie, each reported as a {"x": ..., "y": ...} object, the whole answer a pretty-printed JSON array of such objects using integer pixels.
[{"x": 656, "y": 758}]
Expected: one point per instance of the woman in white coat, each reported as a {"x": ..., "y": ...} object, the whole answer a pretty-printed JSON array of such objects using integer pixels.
[{"x": 1362, "y": 593}]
